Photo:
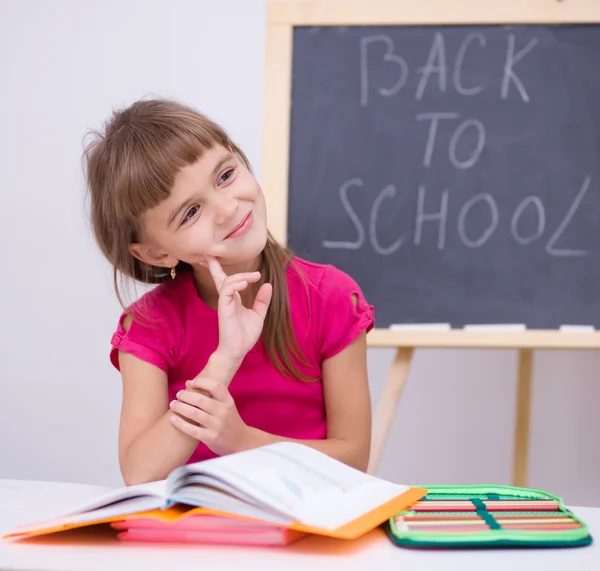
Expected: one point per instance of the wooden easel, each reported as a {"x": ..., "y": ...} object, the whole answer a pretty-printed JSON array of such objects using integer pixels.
[
  {"x": 282, "y": 17},
  {"x": 526, "y": 342}
]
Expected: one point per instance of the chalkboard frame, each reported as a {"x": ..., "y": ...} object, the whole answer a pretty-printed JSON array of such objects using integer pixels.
[{"x": 282, "y": 18}]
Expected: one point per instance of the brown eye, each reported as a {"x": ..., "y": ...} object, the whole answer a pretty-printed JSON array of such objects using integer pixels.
[
  {"x": 226, "y": 176},
  {"x": 190, "y": 214}
]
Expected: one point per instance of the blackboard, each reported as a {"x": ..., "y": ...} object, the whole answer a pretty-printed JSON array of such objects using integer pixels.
[{"x": 453, "y": 171}]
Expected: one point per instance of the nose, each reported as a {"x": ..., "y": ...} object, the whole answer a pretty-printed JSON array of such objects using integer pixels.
[{"x": 225, "y": 208}]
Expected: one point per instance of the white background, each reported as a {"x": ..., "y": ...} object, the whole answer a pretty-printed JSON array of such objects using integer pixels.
[{"x": 64, "y": 65}]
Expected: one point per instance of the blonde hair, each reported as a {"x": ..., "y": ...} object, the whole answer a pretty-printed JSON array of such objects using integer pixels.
[{"x": 132, "y": 167}]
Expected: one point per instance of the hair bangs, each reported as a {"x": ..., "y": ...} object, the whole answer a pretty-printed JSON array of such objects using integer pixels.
[{"x": 153, "y": 154}]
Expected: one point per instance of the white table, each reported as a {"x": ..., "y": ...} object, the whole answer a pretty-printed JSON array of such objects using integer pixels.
[{"x": 26, "y": 501}]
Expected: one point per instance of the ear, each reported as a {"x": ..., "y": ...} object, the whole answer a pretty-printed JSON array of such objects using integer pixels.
[{"x": 151, "y": 255}]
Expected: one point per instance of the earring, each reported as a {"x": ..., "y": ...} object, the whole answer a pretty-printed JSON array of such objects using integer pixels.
[{"x": 173, "y": 273}]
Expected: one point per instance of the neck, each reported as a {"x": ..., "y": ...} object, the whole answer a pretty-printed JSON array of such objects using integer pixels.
[{"x": 205, "y": 285}]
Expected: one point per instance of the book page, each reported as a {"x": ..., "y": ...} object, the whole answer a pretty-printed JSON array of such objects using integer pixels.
[
  {"x": 121, "y": 495},
  {"x": 117, "y": 509},
  {"x": 119, "y": 501},
  {"x": 213, "y": 498},
  {"x": 204, "y": 490},
  {"x": 300, "y": 482}
]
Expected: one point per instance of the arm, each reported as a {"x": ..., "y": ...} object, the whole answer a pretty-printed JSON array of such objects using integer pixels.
[
  {"x": 348, "y": 408},
  {"x": 215, "y": 421},
  {"x": 149, "y": 445}
]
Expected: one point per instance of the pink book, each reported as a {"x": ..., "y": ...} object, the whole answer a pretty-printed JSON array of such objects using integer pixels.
[{"x": 206, "y": 529}]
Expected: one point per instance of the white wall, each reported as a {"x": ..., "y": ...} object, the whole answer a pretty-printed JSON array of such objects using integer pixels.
[{"x": 63, "y": 65}]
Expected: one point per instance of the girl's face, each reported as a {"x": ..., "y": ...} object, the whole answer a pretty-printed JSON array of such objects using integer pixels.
[{"x": 216, "y": 208}]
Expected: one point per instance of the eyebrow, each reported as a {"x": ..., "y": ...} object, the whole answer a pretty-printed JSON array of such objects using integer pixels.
[
  {"x": 176, "y": 212},
  {"x": 225, "y": 159}
]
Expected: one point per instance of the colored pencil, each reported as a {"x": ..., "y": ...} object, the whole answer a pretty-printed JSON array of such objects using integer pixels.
[
  {"x": 485, "y": 528},
  {"x": 545, "y": 517},
  {"x": 468, "y": 506},
  {"x": 502, "y": 523}
]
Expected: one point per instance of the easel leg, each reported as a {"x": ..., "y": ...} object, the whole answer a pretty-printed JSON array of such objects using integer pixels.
[
  {"x": 522, "y": 418},
  {"x": 387, "y": 405}
]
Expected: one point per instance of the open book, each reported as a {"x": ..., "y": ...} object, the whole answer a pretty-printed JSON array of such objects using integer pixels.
[{"x": 285, "y": 484}]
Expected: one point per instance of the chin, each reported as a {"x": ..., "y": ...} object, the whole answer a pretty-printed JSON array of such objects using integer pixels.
[{"x": 245, "y": 253}]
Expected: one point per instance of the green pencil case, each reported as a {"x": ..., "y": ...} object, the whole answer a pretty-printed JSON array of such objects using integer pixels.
[{"x": 486, "y": 517}]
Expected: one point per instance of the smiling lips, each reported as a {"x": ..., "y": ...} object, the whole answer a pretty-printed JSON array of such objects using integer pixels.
[{"x": 242, "y": 227}]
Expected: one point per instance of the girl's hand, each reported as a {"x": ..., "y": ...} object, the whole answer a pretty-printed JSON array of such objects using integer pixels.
[
  {"x": 239, "y": 327},
  {"x": 210, "y": 416}
]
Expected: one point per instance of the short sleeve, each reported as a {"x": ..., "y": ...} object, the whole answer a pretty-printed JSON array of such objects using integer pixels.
[
  {"x": 152, "y": 335},
  {"x": 343, "y": 312}
]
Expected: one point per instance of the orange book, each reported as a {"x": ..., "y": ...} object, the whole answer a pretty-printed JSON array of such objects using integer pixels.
[{"x": 284, "y": 485}]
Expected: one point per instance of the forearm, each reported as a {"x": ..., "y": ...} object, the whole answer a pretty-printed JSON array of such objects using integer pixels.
[
  {"x": 221, "y": 368},
  {"x": 156, "y": 452},
  {"x": 162, "y": 447},
  {"x": 345, "y": 451}
]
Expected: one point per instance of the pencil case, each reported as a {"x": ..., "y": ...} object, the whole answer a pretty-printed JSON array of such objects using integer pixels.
[{"x": 487, "y": 516}]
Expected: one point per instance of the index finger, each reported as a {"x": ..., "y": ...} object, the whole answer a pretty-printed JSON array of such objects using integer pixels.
[{"x": 216, "y": 271}]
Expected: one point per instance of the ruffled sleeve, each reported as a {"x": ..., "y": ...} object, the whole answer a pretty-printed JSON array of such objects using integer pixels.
[
  {"x": 152, "y": 335},
  {"x": 343, "y": 312}
]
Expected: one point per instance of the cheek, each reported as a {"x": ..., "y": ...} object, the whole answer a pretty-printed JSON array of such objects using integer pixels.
[
  {"x": 248, "y": 187},
  {"x": 195, "y": 240},
  {"x": 262, "y": 206},
  {"x": 258, "y": 197}
]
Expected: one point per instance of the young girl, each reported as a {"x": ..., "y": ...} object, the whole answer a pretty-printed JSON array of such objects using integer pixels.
[{"x": 242, "y": 344}]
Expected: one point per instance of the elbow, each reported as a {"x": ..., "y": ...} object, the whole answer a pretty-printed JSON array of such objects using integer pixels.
[
  {"x": 357, "y": 463},
  {"x": 358, "y": 457},
  {"x": 363, "y": 466},
  {"x": 133, "y": 477},
  {"x": 135, "y": 472},
  {"x": 361, "y": 462},
  {"x": 130, "y": 475},
  {"x": 362, "y": 454}
]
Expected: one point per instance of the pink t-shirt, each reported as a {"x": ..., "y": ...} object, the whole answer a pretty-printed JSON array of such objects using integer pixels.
[{"x": 184, "y": 333}]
